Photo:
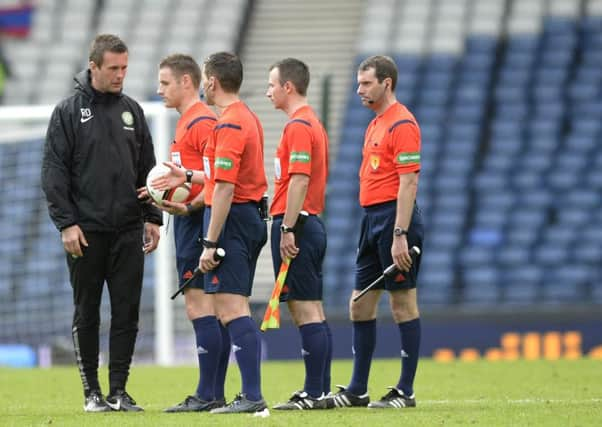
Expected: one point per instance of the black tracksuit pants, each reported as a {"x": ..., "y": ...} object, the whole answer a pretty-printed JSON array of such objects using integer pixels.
[{"x": 116, "y": 258}]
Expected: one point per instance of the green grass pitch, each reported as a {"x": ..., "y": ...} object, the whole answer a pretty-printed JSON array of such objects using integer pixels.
[{"x": 517, "y": 393}]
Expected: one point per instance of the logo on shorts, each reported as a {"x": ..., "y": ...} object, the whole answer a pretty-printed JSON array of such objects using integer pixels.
[
  {"x": 399, "y": 278},
  {"x": 374, "y": 161},
  {"x": 215, "y": 280},
  {"x": 187, "y": 275}
]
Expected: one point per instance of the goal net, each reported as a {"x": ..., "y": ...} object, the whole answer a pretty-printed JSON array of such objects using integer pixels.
[{"x": 35, "y": 295}]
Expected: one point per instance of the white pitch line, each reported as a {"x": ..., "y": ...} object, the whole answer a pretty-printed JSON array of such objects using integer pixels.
[{"x": 509, "y": 401}]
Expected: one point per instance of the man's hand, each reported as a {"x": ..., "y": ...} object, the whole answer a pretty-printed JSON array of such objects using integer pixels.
[
  {"x": 207, "y": 261},
  {"x": 172, "y": 179},
  {"x": 151, "y": 237},
  {"x": 73, "y": 237},
  {"x": 400, "y": 253},
  {"x": 143, "y": 195},
  {"x": 173, "y": 208},
  {"x": 287, "y": 246}
]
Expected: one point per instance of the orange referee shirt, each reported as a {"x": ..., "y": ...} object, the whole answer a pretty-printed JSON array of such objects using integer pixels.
[
  {"x": 235, "y": 155},
  {"x": 391, "y": 148},
  {"x": 303, "y": 149},
  {"x": 192, "y": 132}
]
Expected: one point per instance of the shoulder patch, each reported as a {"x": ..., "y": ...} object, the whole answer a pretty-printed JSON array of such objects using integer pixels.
[
  {"x": 305, "y": 122},
  {"x": 199, "y": 119},
  {"x": 400, "y": 122},
  {"x": 228, "y": 125}
]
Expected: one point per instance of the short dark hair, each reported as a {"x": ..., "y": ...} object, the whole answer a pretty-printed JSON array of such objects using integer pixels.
[
  {"x": 105, "y": 43},
  {"x": 294, "y": 71},
  {"x": 384, "y": 67},
  {"x": 181, "y": 64},
  {"x": 227, "y": 68}
]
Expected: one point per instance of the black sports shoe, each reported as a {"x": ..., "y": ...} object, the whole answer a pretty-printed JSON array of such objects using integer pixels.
[
  {"x": 302, "y": 400},
  {"x": 95, "y": 402},
  {"x": 241, "y": 405},
  {"x": 194, "y": 404},
  {"x": 345, "y": 398},
  {"x": 121, "y": 401},
  {"x": 395, "y": 398}
]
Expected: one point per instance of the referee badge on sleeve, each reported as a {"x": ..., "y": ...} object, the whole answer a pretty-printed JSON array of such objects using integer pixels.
[{"x": 277, "y": 170}]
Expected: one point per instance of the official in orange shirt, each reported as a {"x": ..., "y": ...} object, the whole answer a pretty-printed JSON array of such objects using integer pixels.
[
  {"x": 301, "y": 168},
  {"x": 179, "y": 85},
  {"x": 391, "y": 225},
  {"x": 235, "y": 183}
]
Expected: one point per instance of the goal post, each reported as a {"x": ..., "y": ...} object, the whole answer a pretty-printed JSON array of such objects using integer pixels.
[{"x": 28, "y": 122}]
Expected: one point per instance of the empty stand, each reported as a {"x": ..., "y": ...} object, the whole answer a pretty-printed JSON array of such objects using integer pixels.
[{"x": 508, "y": 96}]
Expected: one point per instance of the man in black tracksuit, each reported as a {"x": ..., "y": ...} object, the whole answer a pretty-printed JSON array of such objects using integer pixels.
[{"x": 98, "y": 152}]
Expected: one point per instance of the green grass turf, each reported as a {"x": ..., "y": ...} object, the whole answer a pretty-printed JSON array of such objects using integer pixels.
[{"x": 518, "y": 393}]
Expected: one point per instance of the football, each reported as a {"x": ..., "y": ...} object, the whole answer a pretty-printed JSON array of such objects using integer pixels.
[{"x": 178, "y": 194}]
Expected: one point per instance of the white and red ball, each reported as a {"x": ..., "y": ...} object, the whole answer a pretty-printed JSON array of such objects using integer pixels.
[{"x": 178, "y": 194}]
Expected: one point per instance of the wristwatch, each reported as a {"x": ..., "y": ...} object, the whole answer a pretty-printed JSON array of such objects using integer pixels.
[
  {"x": 189, "y": 174},
  {"x": 208, "y": 244},
  {"x": 398, "y": 232},
  {"x": 286, "y": 229}
]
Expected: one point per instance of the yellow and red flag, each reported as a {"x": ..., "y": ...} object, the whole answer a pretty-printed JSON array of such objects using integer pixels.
[{"x": 271, "y": 318}]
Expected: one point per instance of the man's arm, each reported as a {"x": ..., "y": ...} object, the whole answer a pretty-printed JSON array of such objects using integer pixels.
[
  {"x": 297, "y": 190},
  {"x": 175, "y": 208},
  {"x": 56, "y": 181},
  {"x": 406, "y": 196},
  {"x": 223, "y": 194},
  {"x": 56, "y": 170}
]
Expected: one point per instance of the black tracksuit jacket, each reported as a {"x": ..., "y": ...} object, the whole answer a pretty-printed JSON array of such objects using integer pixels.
[{"x": 98, "y": 151}]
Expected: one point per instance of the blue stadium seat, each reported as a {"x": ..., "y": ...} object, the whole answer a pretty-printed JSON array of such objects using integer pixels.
[
  {"x": 512, "y": 77},
  {"x": 499, "y": 162},
  {"x": 528, "y": 217},
  {"x": 490, "y": 218},
  {"x": 522, "y": 283},
  {"x": 592, "y": 233},
  {"x": 587, "y": 127},
  {"x": 481, "y": 294},
  {"x": 445, "y": 183},
  {"x": 475, "y": 256},
  {"x": 486, "y": 235},
  {"x": 522, "y": 43},
  {"x": 446, "y": 239},
  {"x": 490, "y": 181},
  {"x": 594, "y": 179},
  {"x": 563, "y": 179},
  {"x": 517, "y": 293},
  {"x": 521, "y": 236},
  {"x": 453, "y": 220},
  {"x": 580, "y": 143},
  {"x": 481, "y": 44},
  {"x": 534, "y": 161},
  {"x": 538, "y": 198},
  {"x": 551, "y": 255},
  {"x": 558, "y": 235},
  {"x": 566, "y": 284}
]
